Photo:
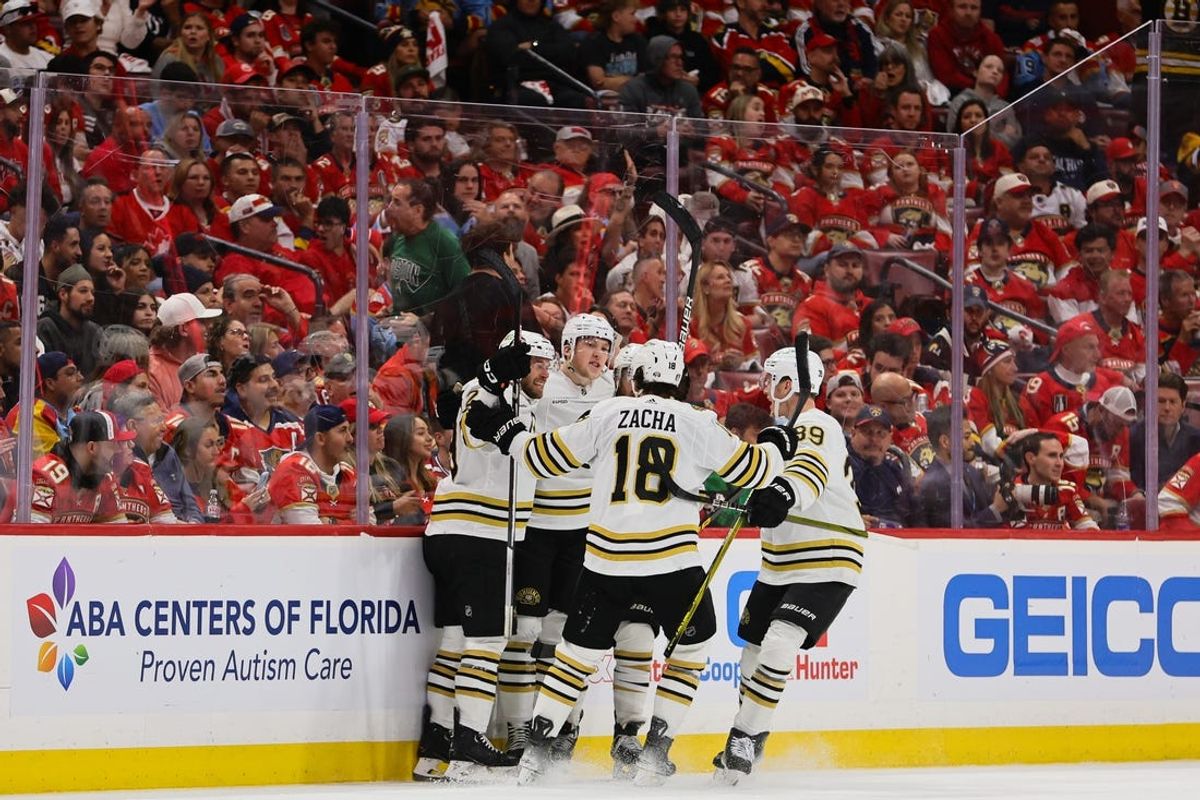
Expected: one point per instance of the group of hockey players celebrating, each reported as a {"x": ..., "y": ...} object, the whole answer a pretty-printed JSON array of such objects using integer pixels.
[{"x": 591, "y": 472}]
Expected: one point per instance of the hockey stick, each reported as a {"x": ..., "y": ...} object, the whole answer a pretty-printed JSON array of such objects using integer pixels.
[
  {"x": 493, "y": 259},
  {"x": 804, "y": 390},
  {"x": 691, "y": 231}
]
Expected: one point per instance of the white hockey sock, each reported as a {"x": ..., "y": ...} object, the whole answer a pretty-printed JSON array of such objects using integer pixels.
[
  {"x": 680, "y": 680},
  {"x": 632, "y": 654},
  {"x": 746, "y": 666},
  {"x": 475, "y": 682},
  {"x": 518, "y": 674},
  {"x": 439, "y": 688},
  {"x": 762, "y": 688},
  {"x": 565, "y": 682},
  {"x": 577, "y": 712}
]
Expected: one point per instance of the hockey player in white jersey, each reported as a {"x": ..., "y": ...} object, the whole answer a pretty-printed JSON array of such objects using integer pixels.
[
  {"x": 465, "y": 548},
  {"x": 642, "y": 541},
  {"x": 812, "y": 537}
]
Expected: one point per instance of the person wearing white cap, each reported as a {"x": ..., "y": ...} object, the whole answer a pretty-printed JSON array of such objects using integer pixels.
[
  {"x": 180, "y": 336},
  {"x": 1105, "y": 423},
  {"x": 573, "y": 150},
  {"x": 254, "y": 221},
  {"x": 19, "y": 20},
  {"x": 1037, "y": 253}
]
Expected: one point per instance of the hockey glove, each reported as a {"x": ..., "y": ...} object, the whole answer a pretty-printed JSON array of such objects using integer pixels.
[
  {"x": 506, "y": 364},
  {"x": 784, "y": 439},
  {"x": 770, "y": 505},
  {"x": 496, "y": 425}
]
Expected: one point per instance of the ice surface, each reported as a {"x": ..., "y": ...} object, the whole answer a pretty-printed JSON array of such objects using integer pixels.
[{"x": 1161, "y": 781}]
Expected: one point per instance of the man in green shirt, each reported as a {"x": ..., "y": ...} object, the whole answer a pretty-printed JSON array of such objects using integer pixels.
[{"x": 425, "y": 261}]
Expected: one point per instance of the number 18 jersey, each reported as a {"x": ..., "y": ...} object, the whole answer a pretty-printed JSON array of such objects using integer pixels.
[{"x": 634, "y": 444}]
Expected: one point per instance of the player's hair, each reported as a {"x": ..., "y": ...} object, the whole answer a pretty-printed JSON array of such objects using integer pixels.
[
  {"x": 744, "y": 416},
  {"x": 1166, "y": 380}
]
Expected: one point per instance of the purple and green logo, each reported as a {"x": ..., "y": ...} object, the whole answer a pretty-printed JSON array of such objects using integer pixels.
[{"x": 44, "y": 615}]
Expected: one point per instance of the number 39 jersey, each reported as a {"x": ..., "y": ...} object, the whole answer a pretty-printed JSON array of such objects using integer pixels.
[
  {"x": 819, "y": 549},
  {"x": 637, "y": 526}
]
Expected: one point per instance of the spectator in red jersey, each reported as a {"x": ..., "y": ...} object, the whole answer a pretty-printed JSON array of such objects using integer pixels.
[
  {"x": 1179, "y": 500},
  {"x": 240, "y": 177},
  {"x": 1123, "y": 345},
  {"x": 203, "y": 380},
  {"x": 779, "y": 283},
  {"x": 832, "y": 310},
  {"x": 73, "y": 483},
  {"x": 426, "y": 140},
  {"x": 500, "y": 167},
  {"x": 336, "y": 168},
  {"x": 1105, "y": 206},
  {"x": 1079, "y": 290},
  {"x": 988, "y": 157},
  {"x": 823, "y": 72},
  {"x": 1004, "y": 286},
  {"x": 825, "y": 205},
  {"x": 993, "y": 404},
  {"x": 913, "y": 207},
  {"x": 253, "y": 219},
  {"x": 1038, "y": 254},
  {"x": 260, "y": 432},
  {"x": 314, "y": 485},
  {"x": 717, "y": 322},
  {"x": 752, "y": 29},
  {"x": 959, "y": 42},
  {"x": 248, "y": 46},
  {"x": 403, "y": 51},
  {"x": 318, "y": 39},
  {"x": 140, "y": 217},
  {"x": 117, "y": 157},
  {"x": 327, "y": 254},
  {"x": 649, "y": 287},
  {"x": 748, "y": 151},
  {"x": 1178, "y": 322},
  {"x": 745, "y": 70},
  {"x": 1074, "y": 375},
  {"x": 1042, "y": 467},
  {"x": 191, "y": 193}
]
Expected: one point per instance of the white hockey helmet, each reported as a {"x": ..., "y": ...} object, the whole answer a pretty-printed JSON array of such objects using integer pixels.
[
  {"x": 582, "y": 326},
  {"x": 625, "y": 357},
  {"x": 782, "y": 364},
  {"x": 539, "y": 346},
  {"x": 659, "y": 362}
]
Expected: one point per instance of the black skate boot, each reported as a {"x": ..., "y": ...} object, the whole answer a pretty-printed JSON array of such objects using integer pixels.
[
  {"x": 472, "y": 757},
  {"x": 536, "y": 759},
  {"x": 433, "y": 751},
  {"x": 737, "y": 759},
  {"x": 760, "y": 744},
  {"x": 625, "y": 751},
  {"x": 518, "y": 735},
  {"x": 562, "y": 747},
  {"x": 653, "y": 766}
]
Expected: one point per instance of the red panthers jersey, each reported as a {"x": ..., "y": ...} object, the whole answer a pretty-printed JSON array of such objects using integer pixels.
[
  {"x": 1179, "y": 500},
  {"x": 1122, "y": 347},
  {"x": 253, "y": 450},
  {"x": 1048, "y": 394},
  {"x": 757, "y": 163},
  {"x": 283, "y": 33},
  {"x": 140, "y": 498},
  {"x": 301, "y": 493},
  {"x": 1107, "y": 470},
  {"x": 335, "y": 178},
  {"x": 779, "y": 294},
  {"x": 774, "y": 47},
  {"x": 824, "y": 314},
  {"x": 717, "y": 99},
  {"x": 57, "y": 500},
  {"x": 1011, "y": 291},
  {"x": 914, "y": 441},
  {"x": 1037, "y": 253},
  {"x": 1068, "y": 513}
]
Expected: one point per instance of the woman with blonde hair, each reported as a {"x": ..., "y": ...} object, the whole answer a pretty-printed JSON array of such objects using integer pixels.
[
  {"x": 716, "y": 320},
  {"x": 195, "y": 46},
  {"x": 747, "y": 148}
]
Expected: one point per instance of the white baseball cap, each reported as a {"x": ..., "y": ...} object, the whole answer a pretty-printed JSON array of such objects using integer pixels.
[
  {"x": 251, "y": 206},
  {"x": 182, "y": 308},
  {"x": 806, "y": 94},
  {"x": 79, "y": 8},
  {"x": 1103, "y": 190},
  {"x": 1141, "y": 226},
  {"x": 1012, "y": 182},
  {"x": 573, "y": 132},
  {"x": 1120, "y": 401}
]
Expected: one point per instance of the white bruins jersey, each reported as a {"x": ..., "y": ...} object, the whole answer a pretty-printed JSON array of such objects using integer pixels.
[
  {"x": 819, "y": 474},
  {"x": 561, "y": 503},
  {"x": 473, "y": 500},
  {"x": 637, "y": 527}
]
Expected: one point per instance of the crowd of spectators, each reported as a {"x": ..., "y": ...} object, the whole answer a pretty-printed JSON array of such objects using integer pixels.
[{"x": 196, "y": 286}]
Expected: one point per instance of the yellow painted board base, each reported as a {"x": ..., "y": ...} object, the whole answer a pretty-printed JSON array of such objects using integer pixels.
[{"x": 27, "y": 771}]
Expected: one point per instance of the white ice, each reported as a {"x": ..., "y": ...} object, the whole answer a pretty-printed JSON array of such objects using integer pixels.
[{"x": 1160, "y": 781}]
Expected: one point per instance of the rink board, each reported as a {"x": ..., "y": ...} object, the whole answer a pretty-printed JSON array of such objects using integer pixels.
[{"x": 144, "y": 661}]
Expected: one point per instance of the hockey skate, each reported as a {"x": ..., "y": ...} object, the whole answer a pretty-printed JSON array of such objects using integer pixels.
[
  {"x": 760, "y": 744},
  {"x": 473, "y": 758},
  {"x": 433, "y": 751},
  {"x": 738, "y": 758},
  {"x": 653, "y": 766},
  {"x": 518, "y": 736},
  {"x": 625, "y": 751},
  {"x": 536, "y": 759},
  {"x": 562, "y": 747}
]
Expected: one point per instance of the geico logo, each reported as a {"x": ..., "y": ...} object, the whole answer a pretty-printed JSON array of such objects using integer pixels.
[{"x": 991, "y": 624}]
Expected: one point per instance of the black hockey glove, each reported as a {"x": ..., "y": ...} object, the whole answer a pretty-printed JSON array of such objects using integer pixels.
[
  {"x": 784, "y": 439},
  {"x": 496, "y": 425},
  {"x": 507, "y": 364},
  {"x": 770, "y": 505},
  {"x": 448, "y": 403}
]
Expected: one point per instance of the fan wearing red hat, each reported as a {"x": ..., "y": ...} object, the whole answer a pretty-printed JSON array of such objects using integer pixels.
[
  {"x": 1037, "y": 252},
  {"x": 1074, "y": 375},
  {"x": 74, "y": 482}
]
